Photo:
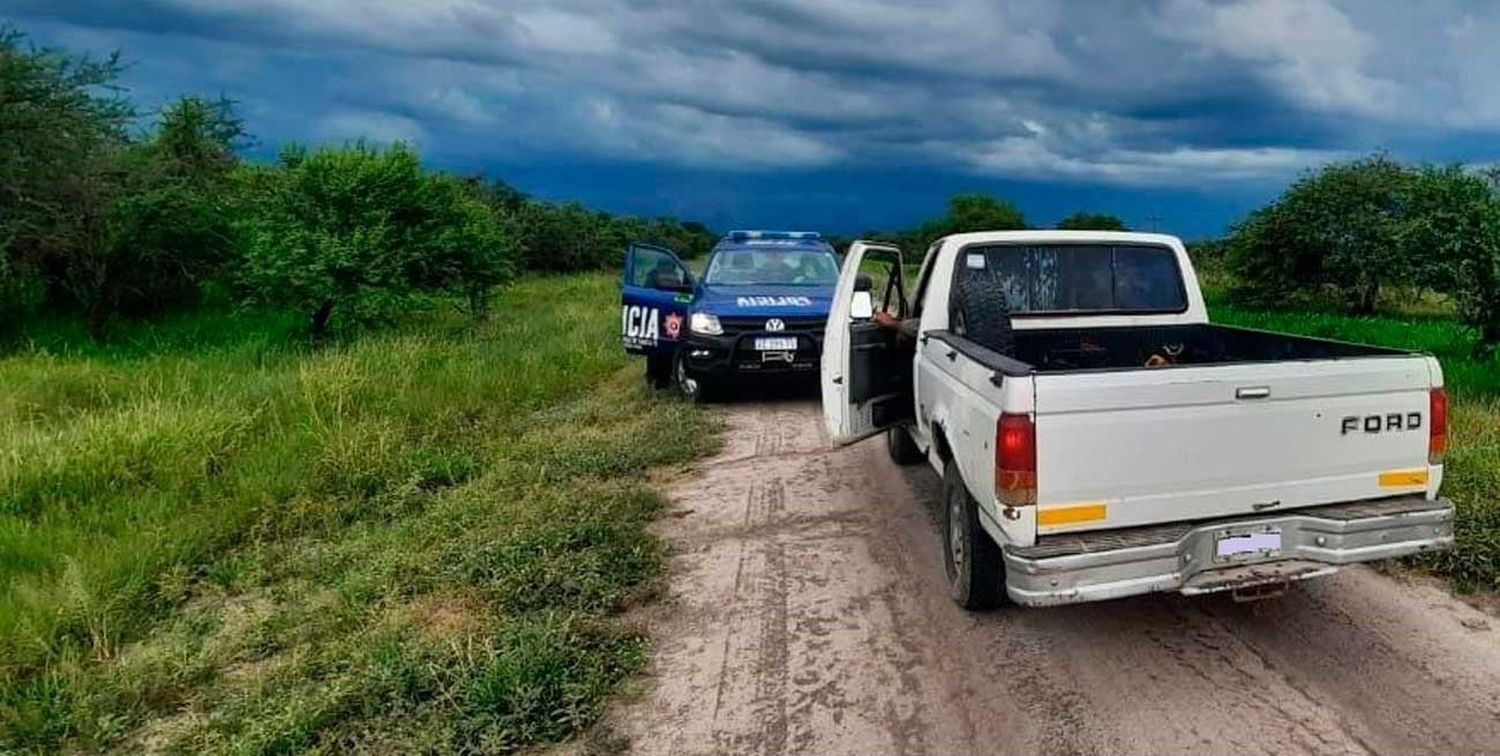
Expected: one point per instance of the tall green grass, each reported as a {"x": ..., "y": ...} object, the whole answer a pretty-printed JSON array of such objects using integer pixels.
[
  {"x": 213, "y": 537},
  {"x": 1472, "y": 469}
]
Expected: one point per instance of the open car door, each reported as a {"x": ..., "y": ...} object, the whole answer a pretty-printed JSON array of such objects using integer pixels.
[
  {"x": 867, "y": 367},
  {"x": 654, "y": 298}
]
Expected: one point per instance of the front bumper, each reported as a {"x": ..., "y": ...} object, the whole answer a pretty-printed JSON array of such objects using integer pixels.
[
  {"x": 1183, "y": 557},
  {"x": 709, "y": 356}
]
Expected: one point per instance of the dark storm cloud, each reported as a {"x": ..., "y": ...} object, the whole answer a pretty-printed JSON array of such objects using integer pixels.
[{"x": 1166, "y": 93}]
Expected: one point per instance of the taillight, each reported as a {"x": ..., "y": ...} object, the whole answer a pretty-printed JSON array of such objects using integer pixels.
[
  {"x": 1015, "y": 460},
  {"x": 1437, "y": 426}
]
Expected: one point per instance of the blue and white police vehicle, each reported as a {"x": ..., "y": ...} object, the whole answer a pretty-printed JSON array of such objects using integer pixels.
[{"x": 758, "y": 309}]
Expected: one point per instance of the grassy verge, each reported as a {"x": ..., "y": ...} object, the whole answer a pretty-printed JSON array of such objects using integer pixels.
[
  {"x": 1472, "y": 471},
  {"x": 420, "y": 540}
]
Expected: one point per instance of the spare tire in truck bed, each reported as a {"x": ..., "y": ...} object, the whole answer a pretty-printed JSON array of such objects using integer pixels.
[{"x": 981, "y": 314}]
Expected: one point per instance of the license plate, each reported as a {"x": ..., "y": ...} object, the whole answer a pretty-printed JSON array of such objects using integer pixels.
[
  {"x": 777, "y": 344},
  {"x": 1246, "y": 545}
]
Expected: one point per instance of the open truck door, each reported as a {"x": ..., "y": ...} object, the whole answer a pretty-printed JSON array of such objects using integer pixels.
[
  {"x": 655, "y": 294},
  {"x": 867, "y": 367}
]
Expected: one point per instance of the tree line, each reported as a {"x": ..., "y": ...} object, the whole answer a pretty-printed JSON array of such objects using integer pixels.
[
  {"x": 979, "y": 212},
  {"x": 1352, "y": 231},
  {"x": 105, "y": 219}
]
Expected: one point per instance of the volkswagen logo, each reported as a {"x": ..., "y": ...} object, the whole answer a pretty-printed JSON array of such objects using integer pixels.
[{"x": 775, "y": 324}]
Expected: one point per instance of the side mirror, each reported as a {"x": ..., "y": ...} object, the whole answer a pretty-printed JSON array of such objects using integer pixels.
[
  {"x": 863, "y": 282},
  {"x": 862, "y": 307}
]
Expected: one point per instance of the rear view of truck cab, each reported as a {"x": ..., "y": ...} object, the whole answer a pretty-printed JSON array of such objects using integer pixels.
[{"x": 1103, "y": 439}]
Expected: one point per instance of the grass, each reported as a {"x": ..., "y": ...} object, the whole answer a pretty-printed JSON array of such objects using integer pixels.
[
  {"x": 214, "y": 539},
  {"x": 1472, "y": 465}
]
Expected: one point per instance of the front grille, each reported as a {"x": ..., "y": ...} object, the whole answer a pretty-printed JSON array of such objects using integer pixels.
[{"x": 738, "y": 325}]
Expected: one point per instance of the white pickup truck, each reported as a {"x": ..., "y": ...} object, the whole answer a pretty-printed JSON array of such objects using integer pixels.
[{"x": 1098, "y": 437}]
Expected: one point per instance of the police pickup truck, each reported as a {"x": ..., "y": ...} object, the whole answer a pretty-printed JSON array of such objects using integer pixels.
[
  {"x": 758, "y": 309},
  {"x": 1099, "y": 437}
]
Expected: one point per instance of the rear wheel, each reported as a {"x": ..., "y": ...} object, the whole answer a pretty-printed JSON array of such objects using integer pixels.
[
  {"x": 971, "y": 559},
  {"x": 691, "y": 387},
  {"x": 658, "y": 370},
  {"x": 902, "y": 449}
]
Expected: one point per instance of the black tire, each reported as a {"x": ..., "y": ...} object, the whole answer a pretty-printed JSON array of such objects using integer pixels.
[
  {"x": 902, "y": 449},
  {"x": 658, "y": 370},
  {"x": 971, "y": 559},
  {"x": 694, "y": 388},
  {"x": 982, "y": 314}
]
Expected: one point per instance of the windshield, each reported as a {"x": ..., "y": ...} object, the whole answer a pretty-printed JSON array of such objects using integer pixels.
[
  {"x": 1048, "y": 278},
  {"x": 796, "y": 267}
]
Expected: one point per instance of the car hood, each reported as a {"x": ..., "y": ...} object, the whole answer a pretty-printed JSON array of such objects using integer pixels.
[{"x": 765, "y": 301}]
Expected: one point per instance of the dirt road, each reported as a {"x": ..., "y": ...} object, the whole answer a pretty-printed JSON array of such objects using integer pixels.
[{"x": 810, "y": 615}]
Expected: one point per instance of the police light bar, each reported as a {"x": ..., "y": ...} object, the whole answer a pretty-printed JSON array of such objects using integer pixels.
[{"x": 740, "y": 236}]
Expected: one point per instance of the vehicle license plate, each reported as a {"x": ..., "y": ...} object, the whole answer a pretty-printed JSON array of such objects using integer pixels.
[
  {"x": 776, "y": 344},
  {"x": 1259, "y": 543}
]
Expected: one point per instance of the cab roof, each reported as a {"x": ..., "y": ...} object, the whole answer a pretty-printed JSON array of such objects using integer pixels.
[{"x": 758, "y": 239}]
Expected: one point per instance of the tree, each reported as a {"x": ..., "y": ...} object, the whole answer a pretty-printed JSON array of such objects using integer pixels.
[
  {"x": 164, "y": 220},
  {"x": 981, "y": 212},
  {"x": 471, "y": 247},
  {"x": 1340, "y": 227},
  {"x": 1081, "y": 221},
  {"x": 62, "y": 123},
  {"x": 966, "y": 213},
  {"x": 1454, "y": 221},
  {"x": 351, "y": 234}
]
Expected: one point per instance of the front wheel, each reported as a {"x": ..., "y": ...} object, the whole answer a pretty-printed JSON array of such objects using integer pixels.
[
  {"x": 899, "y": 445},
  {"x": 971, "y": 559},
  {"x": 691, "y": 387}
]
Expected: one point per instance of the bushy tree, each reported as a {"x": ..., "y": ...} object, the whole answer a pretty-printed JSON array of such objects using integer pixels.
[
  {"x": 471, "y": 247},
  {"x": 1340, "y": 227},
  {"x": 1454, "y": 223},
  {"x": 165, "y": 219},
  {"x": 1082, "y": 221},
  {"x": 61, "y": 125},
  {"x": 352, "y": 234}
]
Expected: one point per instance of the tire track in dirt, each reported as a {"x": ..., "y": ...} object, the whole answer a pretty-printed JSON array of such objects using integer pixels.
[{"x": 810, "y": 615}]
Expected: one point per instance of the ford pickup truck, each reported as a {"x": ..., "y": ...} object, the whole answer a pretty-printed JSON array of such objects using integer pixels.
[{"x": 1098, "y": 437}]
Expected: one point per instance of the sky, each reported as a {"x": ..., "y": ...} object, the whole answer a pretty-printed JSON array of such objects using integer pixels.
[{"x": 841, "y": 116}]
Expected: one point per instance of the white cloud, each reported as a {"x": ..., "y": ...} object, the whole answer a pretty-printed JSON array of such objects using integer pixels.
[{"x": 1309, "y": 47}]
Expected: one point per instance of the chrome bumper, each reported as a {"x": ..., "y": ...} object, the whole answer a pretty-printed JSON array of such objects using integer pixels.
[{"x": 1184, "y": 557}]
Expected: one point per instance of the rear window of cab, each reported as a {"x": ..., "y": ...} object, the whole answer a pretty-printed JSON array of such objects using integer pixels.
[{"x": 1070, "y": 278}]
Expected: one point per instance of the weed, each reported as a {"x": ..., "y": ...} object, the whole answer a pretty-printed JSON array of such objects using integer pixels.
[{"x": 421, "y": 540}]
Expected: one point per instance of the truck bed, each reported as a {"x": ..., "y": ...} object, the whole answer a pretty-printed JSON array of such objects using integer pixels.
[{"x": 1082, "y": 349}]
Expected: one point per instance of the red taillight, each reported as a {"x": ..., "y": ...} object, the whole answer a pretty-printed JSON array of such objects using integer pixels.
[
  {"x": 1015, "y": 460},
  {"x": 1437, "y": 426}
]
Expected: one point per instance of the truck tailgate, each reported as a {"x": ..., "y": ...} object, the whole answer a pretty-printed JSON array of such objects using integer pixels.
[{"x": 1133, "y": 447}]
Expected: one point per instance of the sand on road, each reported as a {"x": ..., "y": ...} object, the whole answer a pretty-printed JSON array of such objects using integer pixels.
[{"x": 809, "y": 614}]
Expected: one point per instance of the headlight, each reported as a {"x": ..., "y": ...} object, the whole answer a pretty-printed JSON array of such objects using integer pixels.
[{"x": 706, "y": 323}]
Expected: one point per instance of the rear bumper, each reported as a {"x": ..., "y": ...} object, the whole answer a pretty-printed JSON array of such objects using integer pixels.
[{"x": 1184, "y": 557}]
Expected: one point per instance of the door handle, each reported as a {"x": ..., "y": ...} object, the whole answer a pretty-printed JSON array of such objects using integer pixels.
[
  {"x": 1253, "y": 392},
  {"x": 952, "y": 355}
]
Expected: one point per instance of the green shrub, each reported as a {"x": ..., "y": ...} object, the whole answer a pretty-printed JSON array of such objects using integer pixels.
[
  {"x": 350, "y": 235},
  {"x": 1455, "y": 222},
  {"x": 1338, "y": 228}
]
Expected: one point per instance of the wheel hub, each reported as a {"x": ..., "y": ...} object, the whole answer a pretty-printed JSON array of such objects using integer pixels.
[{"x": 955, "y": 533}]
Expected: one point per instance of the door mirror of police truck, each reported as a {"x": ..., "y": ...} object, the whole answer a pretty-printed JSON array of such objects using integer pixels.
[{"x": 862, "y": 307}]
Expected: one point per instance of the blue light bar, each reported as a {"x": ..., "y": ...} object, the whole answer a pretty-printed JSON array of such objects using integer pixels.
[{"x": 741, "y": 236}]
